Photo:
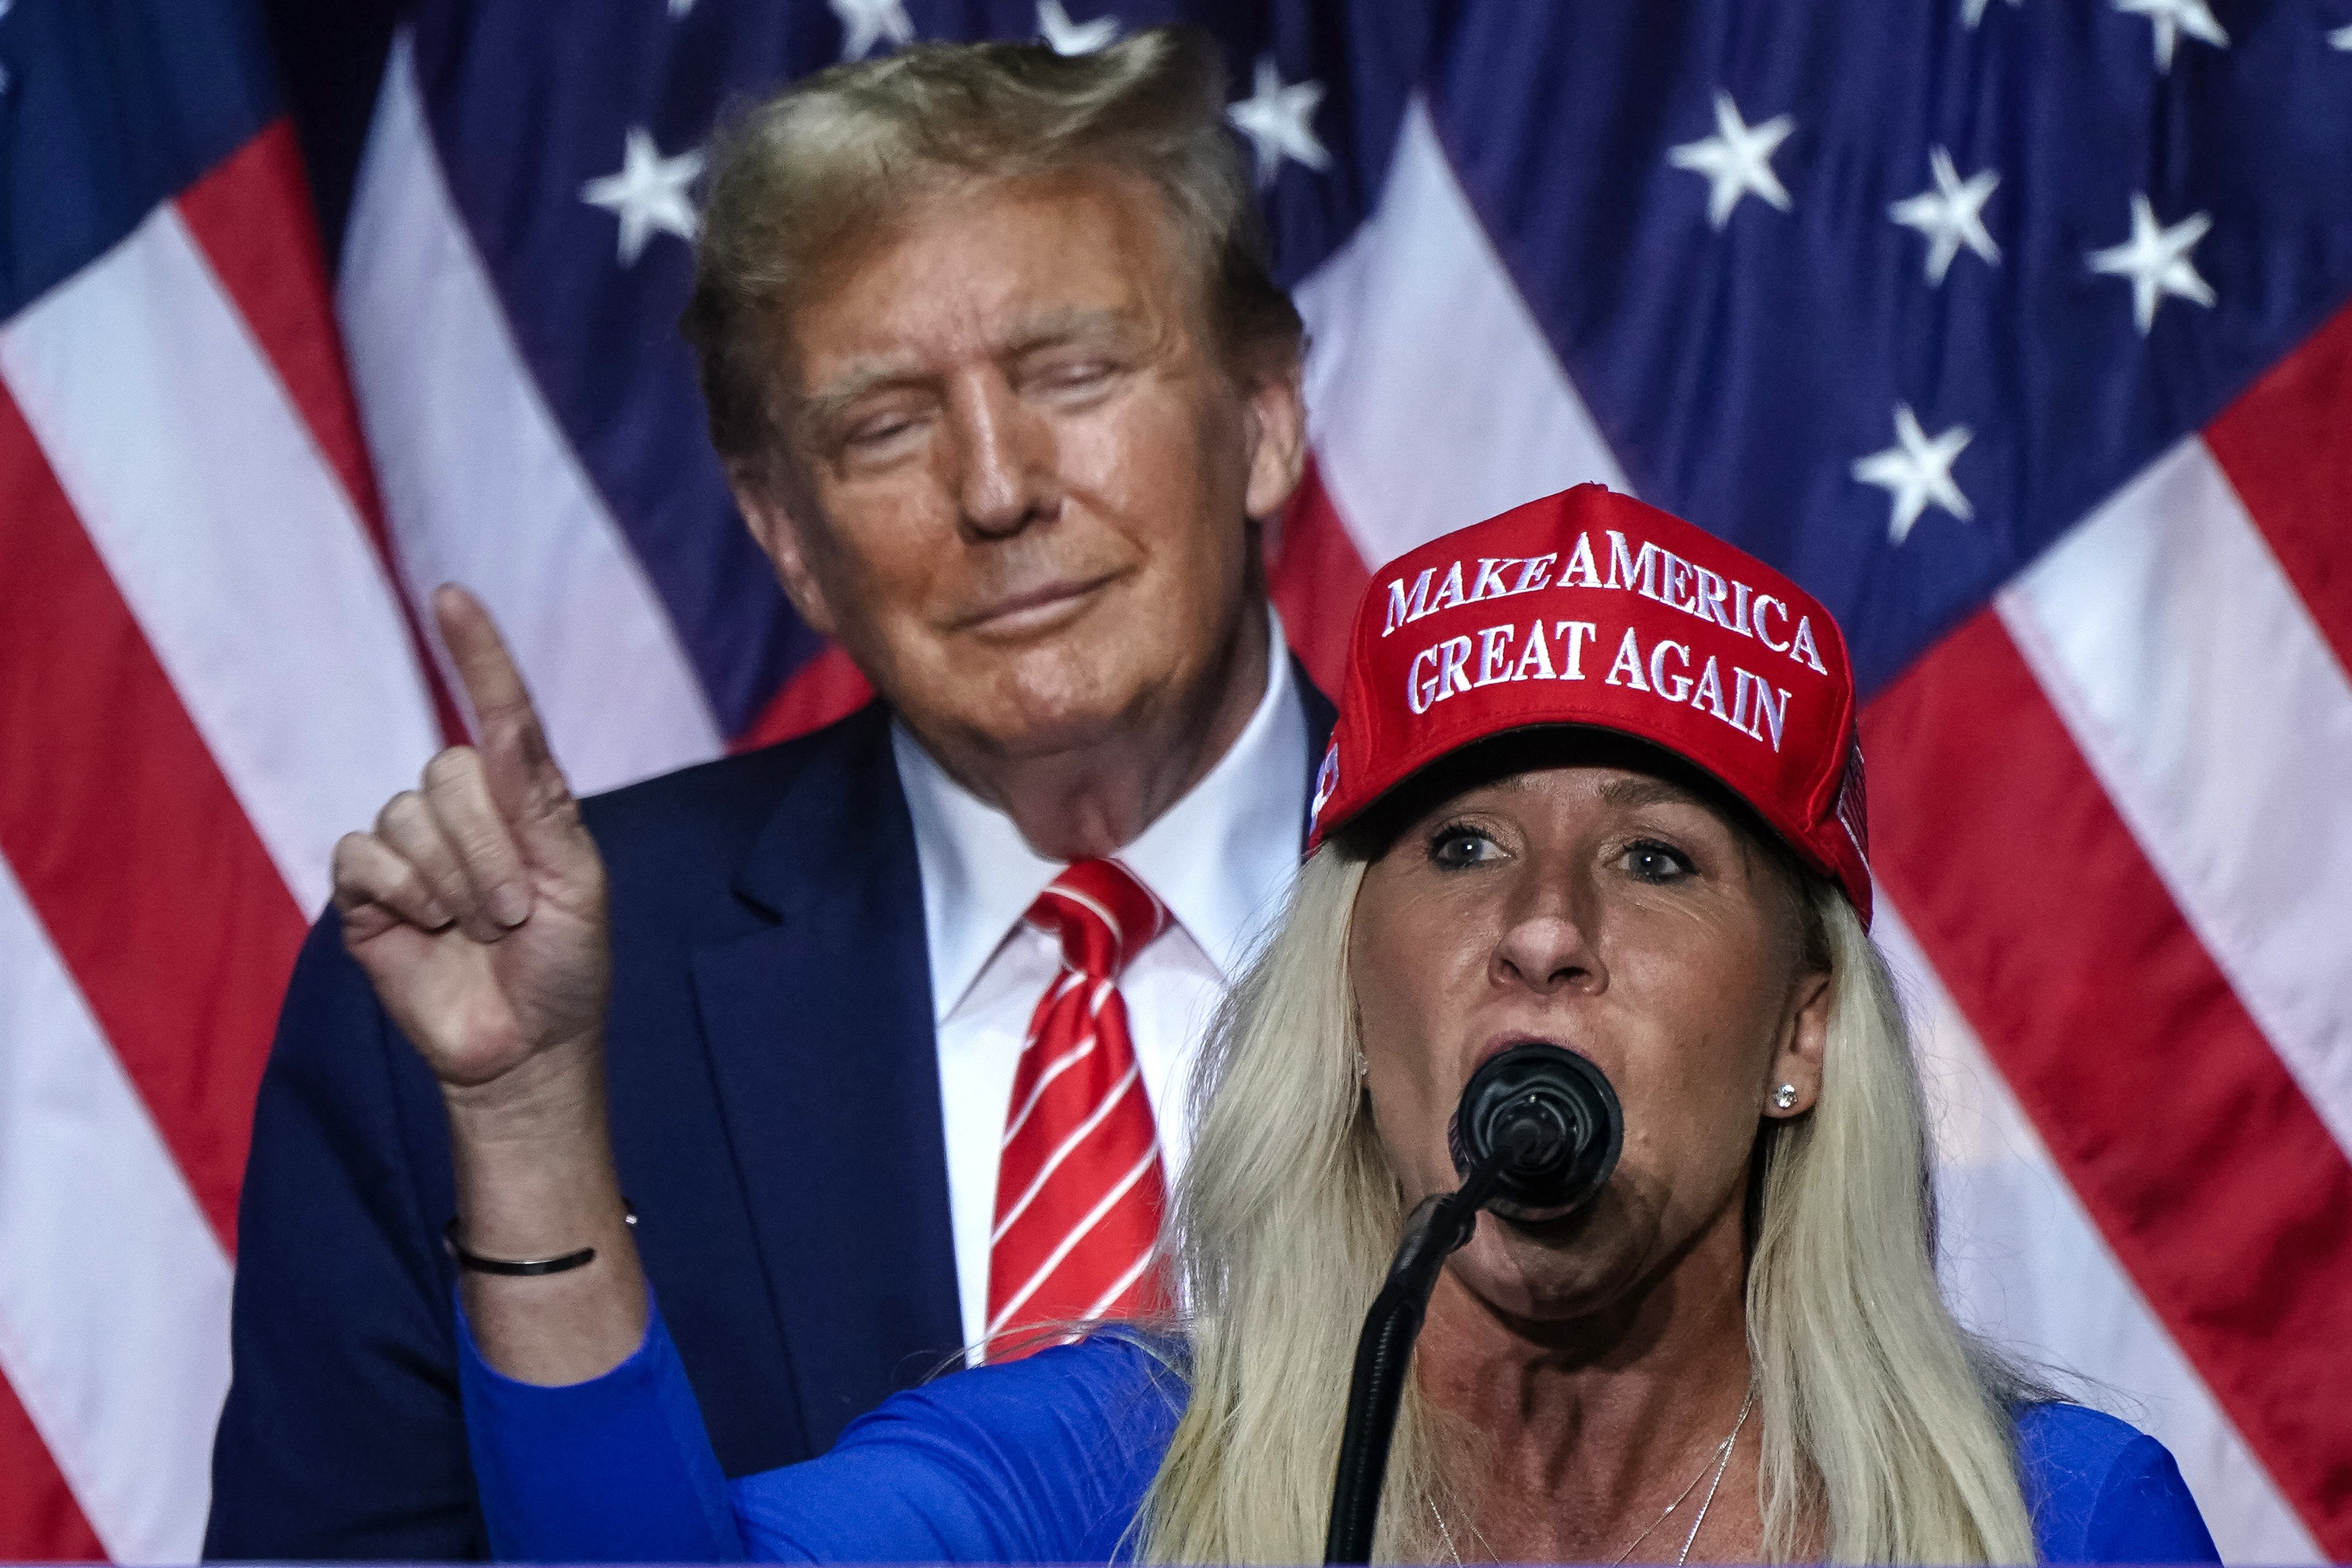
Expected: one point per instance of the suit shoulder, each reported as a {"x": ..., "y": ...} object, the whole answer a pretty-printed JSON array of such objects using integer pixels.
[{"x": 712, "y": 811}]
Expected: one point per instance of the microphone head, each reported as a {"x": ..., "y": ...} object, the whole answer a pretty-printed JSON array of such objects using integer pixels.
[{"x": 1557, "y": 1120}]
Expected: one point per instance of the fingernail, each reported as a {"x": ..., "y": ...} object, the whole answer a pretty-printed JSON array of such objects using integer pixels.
[
  {"x": 510, "y": 905},
  {"x": 434, "y": 915}
]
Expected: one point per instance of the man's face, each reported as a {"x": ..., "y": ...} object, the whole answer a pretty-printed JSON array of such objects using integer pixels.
[{"x": 1022, "y": 467}]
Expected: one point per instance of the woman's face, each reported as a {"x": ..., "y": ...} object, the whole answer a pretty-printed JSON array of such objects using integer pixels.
[{"x": 1618, "y": 914}]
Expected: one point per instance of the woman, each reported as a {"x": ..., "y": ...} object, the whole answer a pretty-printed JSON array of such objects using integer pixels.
[{"x": 1595, "y": 782}]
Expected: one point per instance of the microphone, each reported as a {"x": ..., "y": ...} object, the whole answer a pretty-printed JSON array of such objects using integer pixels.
[
  {"x": 1535, "y": 1136},
  {"x": 1558, "y": 1121}
]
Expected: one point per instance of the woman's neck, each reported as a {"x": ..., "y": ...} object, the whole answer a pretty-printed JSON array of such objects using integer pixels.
[{"x": 1587, "y": 1429}]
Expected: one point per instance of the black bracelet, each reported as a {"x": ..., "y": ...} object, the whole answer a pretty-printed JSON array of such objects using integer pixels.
[{"x": 523, "y": 1268}]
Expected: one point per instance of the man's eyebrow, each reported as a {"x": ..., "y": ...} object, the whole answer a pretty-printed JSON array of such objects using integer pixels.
[
  {"x": 1051, "y": 327},
  {"x": 819, "y": 408}
]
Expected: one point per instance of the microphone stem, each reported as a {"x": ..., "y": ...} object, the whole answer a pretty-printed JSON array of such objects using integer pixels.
[{"x": 1384, "y": 1350}]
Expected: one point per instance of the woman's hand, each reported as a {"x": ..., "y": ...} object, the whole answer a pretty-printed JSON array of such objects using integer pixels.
[{"x": 477, "y": 905}]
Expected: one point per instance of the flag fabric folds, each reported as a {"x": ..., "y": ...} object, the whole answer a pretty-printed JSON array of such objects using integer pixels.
[
  {"x": 2018, "y": 331},
  {"x": 205, "y": 677}
]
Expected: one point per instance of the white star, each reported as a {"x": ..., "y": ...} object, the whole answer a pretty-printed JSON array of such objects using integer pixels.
[
  {"x": 866, "y": 23},
  {"x": 1737, "y": 160},
  {"x": 1280, "y": 121},
  {"x": 1916, "y": 472},
  {"x": 1068, "y": 37},
  {"x": 2173, "y": 18},
  {"x": 2342, "y": 39},
  {"x": 679, "y": 8},
  {"x": 1972, "y": 11},
  {"x": 2156, "y": 259},
  {"x": 650, "y": 194},
  {"x": 1950, "y": 215}
]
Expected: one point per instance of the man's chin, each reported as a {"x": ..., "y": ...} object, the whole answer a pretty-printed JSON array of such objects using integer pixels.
[{"x": 1039, "y": 703}]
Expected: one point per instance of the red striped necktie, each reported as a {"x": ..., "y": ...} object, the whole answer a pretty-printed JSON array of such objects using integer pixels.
[{"x": 1079, "y": 1188}]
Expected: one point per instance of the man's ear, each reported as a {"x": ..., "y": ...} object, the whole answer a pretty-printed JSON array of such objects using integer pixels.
[
  {"x": 1275, "y": 437},
  {"x": 1804, "y": 1043},
  {"x": 775, "y": 524}
]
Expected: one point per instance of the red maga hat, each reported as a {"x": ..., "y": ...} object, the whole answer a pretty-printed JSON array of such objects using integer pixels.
[{"x": 1588, "y": 607}]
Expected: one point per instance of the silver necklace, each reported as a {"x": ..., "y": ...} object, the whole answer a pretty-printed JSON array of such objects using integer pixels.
[
  {"x": 1722, "y": 1463},
  {"x": 1449, "y": 1550},
  {"x": 1721, "y": 1460}
]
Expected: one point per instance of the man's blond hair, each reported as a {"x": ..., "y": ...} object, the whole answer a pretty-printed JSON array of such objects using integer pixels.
[{"x": 833, "y": 158}]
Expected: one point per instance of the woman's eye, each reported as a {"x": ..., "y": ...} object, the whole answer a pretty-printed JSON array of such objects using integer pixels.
[
  {"x": 1458, "y": 845},
  {"x": 1651, "y": 862}
]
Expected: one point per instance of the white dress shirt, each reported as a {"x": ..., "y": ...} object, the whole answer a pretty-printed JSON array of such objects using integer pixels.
[{"x": 1222, "y": 860}]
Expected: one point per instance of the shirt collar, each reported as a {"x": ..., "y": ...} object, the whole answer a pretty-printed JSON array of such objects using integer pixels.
[{"x": 1221, "y": 859}]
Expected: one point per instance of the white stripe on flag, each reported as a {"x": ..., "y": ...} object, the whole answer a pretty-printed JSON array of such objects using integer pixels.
[
  {"x": 230, "y": 538},
  {"x": 2023, "y": 1264},
  {"x": 2220, "y": 722},
  {"x": 479, "y": 481},
  {"x": 114, "y": 1295},
  {"x": 1434, "y": 399}
]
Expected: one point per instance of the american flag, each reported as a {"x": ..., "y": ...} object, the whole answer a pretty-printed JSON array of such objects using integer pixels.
[{"x": 2017, "y": 330}]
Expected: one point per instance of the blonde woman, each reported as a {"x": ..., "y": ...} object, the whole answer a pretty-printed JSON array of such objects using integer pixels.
[{"x": 1595, "y": 783}]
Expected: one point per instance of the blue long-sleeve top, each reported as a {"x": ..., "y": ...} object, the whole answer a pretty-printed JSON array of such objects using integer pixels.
[{"x": 1046, "y": 1459}]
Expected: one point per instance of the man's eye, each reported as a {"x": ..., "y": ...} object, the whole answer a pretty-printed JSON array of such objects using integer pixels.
[
  {"x": 875, "y": 433},
  {"x": 1458, "y": 845},
  {"x": 1653, "y": 862},
  {"x": 1071, "y": 375}
]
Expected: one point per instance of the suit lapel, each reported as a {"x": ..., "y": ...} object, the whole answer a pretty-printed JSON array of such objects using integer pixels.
[
  {"x": 821, "y": 1038},
  {"x": 819, "y": 1031}
]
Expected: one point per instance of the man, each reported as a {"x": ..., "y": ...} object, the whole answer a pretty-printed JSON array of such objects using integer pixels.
[{"x": 893, "y": 1046}]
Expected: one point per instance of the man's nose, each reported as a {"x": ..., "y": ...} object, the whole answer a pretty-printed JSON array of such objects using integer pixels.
[
  {"x": 1002, "y": 456},
  {"x": 1547, "y": 945}
]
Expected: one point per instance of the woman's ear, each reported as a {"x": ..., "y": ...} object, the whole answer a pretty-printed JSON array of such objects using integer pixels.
[{"x": 1794, "y": 1084}]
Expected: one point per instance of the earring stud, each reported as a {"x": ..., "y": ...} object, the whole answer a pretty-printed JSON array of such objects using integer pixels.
[
  {"x": 1363, "y": 1067},
  {"x": 1785, "y": 1096}
]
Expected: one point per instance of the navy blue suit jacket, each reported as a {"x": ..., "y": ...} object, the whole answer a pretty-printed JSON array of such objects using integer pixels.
[{"x": 775, "y": 1109}]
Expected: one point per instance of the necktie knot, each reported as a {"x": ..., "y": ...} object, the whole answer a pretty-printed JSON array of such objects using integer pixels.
[{"x": 1103, "y": 915}]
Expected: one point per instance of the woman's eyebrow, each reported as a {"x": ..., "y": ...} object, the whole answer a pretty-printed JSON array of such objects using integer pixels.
[{"x": 1629, "y": 793}]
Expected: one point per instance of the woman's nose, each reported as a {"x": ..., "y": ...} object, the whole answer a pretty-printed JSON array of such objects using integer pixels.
[
  {"x": 1547, "y": 949},
  {"x": 1003, "y": 457}
]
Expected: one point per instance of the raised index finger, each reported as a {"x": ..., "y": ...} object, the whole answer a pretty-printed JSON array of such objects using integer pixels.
[
  {"x": 525, "y": 784},
  {"x": 492, "y": 683}
]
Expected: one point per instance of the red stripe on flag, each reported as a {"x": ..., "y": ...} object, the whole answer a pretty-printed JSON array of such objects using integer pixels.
[
  {"x": 41, "y": 1523},
  {"x": 2286, "y": 446},
  {"x": 1315, "y": 577},
  {"x": 130, "y": 844},
  {"x": 2169, "y": 1114},
  {"x": 826, "y": 689},
  {"x": 251, "y": 217}
]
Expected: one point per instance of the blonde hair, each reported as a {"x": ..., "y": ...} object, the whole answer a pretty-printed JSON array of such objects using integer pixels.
[
  {"x": 1888, "y": 1435},
  {"x": 836, "y": 157}
]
